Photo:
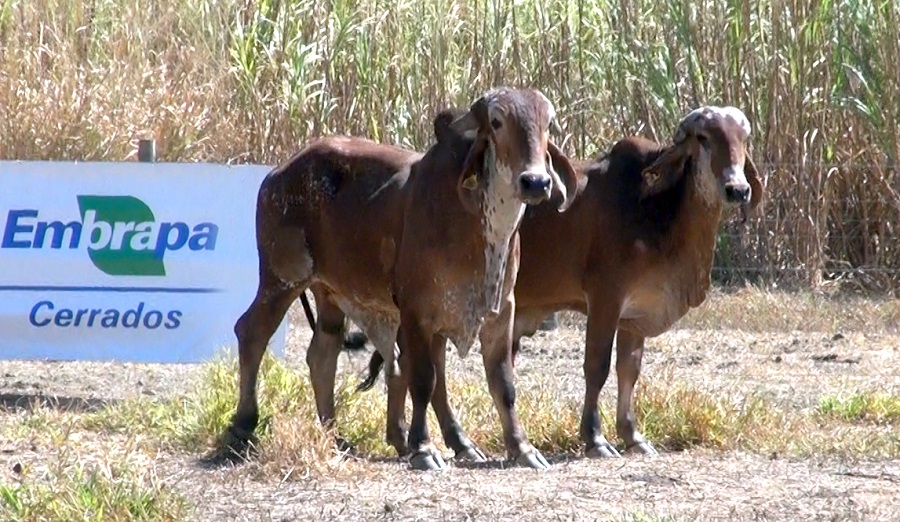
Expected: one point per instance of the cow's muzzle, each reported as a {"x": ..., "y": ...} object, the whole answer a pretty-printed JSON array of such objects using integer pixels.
[{"x": 534, "y": 187}]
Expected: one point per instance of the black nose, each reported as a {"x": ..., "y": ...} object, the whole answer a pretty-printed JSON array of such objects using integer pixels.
[
  {"x": 534, "y": 186},
  {"x": 737, "y": 193}
]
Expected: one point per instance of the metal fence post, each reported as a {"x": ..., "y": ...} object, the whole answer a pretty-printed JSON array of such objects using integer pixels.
[{"x": 146, "y": 152}]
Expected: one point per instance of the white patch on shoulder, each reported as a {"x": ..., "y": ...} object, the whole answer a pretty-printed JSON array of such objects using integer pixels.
[{"x": 603, "y": 164}]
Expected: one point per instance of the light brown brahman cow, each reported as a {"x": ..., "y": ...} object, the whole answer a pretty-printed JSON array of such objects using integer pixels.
[
  {"x": 633, "y": 253},
  {"x": 415, "y": 248}
]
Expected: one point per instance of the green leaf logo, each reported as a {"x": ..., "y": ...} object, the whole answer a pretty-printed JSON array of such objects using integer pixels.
[{"x": 120, "y": 235}]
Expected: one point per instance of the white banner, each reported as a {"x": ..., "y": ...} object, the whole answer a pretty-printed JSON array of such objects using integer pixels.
[{"x": 142, "y": 262}]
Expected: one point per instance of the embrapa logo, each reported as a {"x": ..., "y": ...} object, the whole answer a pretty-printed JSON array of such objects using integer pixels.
[{"x": 120, "y": 233}]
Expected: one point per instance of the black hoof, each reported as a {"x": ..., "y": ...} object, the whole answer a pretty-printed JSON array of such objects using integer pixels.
[{"x": 235, "y": 445}]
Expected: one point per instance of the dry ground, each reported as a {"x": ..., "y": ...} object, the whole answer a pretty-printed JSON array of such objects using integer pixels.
[{"x": 793, "y": 367}]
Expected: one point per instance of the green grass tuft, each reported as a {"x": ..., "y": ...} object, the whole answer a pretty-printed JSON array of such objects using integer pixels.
[
  {"x": 873, "y": 407},
  {"x": 106, "y": 491},
  {"x": 674, "y": 415}
]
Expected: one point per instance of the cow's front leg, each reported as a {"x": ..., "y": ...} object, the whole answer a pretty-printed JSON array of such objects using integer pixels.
[
  {"x": 629, "y": 352},
  {"x": 453, "y": 434},
  {"x": 603, "y": 317},
  {"x": 496, "y": 351},
  {"x": 415, "y": 355}
]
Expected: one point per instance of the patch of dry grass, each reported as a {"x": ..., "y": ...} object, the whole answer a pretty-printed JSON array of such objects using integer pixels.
[
  {"x": 755, "y": 309},
  {"x": 674, "y": 415},
  {"x": 68, "y": 475}
]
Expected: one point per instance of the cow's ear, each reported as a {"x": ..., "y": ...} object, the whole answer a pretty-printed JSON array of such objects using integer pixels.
[
  {"x": 665, "y": 172},
  {"x": 756, "y": 188},
  {"x": 471, "y": 179},
  {"x": 567, "y": 183},
  {"x": 443, "y": 124}
]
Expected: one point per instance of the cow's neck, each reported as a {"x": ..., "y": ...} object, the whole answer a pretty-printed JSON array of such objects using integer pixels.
[
  {"x": 692, "y": 242},
  {"x": 502, "y": 214}
]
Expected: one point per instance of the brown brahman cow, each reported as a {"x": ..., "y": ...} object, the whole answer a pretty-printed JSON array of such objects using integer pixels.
[
  {"x": 415, "y": 248},
  {"x": 633, "y": 253}
]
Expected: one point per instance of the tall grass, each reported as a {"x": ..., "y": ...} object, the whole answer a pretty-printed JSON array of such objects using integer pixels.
[{"x": 251, "y": 80}]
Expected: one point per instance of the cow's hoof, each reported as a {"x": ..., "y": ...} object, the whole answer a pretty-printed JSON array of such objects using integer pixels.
[
  {"x": 238, "y": 439},
  {"x": 472, "y": 454},
  {"x": 427, "y": 460},
  {"x": 234, "y": 445},
  {"x": 642, "y": 448},
  {"x": 533, "y": 459},
  {"x": 603, "y": 450}
]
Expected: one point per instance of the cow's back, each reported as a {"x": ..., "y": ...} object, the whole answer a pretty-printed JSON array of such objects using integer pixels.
[
  {"x": 600, "y": 236},
  {"x": 343, "y": 197}
]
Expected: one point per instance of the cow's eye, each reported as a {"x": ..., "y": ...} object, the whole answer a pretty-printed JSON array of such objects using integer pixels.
[{"x": 495, "y": 123}]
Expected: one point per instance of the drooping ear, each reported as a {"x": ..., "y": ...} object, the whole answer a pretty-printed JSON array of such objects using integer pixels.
[
  {"x": 567, "y": 183},
  {"x": 756, "y": 188},
  {"x": 665, "y": 172},
  {"x": 471, "y": 179}
]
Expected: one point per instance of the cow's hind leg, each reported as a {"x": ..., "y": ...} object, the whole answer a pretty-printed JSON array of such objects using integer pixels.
[
  {"x": 322, "y": 354},
  {"x": 629, "y": 352},
  {"x": 382, "y": 333},
  {"x": 453, "y": 434},
  {"x": 254, "y": 329},
  {"x": 396, "y": 433}
]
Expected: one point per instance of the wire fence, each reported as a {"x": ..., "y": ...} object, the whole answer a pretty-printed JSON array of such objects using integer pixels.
[{"x": 821, "y": 223}]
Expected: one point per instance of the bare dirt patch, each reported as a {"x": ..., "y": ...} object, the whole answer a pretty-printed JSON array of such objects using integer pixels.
[{"x": 793, "y": 368}]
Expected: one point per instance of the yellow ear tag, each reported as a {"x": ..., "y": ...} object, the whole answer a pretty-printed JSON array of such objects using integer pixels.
[{"x": 470, "y": 183}]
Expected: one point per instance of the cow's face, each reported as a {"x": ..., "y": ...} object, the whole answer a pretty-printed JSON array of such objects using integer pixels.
[
  {"x": 716, "y": 137},
  {"x": 512, "y": 155},
  {"x": 720, "y": 135},
  {"x": 511, "y": 163}
]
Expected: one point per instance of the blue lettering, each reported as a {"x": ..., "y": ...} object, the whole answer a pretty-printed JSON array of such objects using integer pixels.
[
  {"x": 78, "y": 316},
  {"x": 13, "y": 227},
  {"x": 108, "y": 318},
  {"x": 133, "y": 314},
  {"x": 155, "y": 322},
  {"x": 32, "y": 317},
  {"x": 163, "y": 243},
  {"x": 59, "y": 230},
  {"x": 174, "y": 320},
  {"x": 205, "y": 232},
  {"x": 63, "y": 317}
]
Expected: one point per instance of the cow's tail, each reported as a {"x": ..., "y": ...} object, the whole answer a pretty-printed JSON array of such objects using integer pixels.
[
  {"x": 310, "y": 318},
  {"x": 353, "y": 342},
  {"x": 375, "y": 364}
]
